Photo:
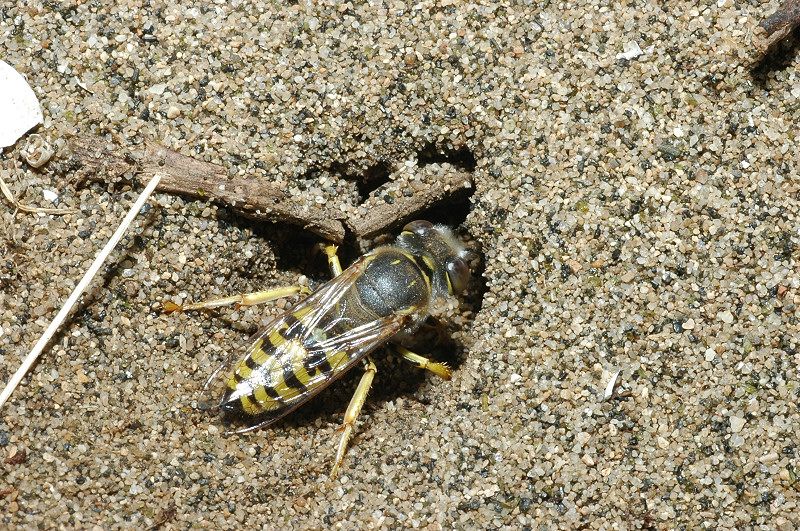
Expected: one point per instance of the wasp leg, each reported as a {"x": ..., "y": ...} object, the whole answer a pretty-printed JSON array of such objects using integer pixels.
[
  {"x": 245, "y": 299},
  {"x": 439, "y": 369},
  {"x": 350, "y": 416},
  {"x": 333, "y": 259}
]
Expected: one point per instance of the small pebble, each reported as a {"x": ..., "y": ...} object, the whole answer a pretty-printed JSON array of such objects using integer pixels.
[
  {"x": 631, "y": 50},
  {"x": 50, "y": 196},
  {"x": 769, "y": 458},
  {"x": 157, "y": 89},
  {"x": 725, "y": 316}
]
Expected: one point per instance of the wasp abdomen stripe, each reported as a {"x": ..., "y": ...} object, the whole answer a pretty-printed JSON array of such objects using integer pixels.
[
  {"x": 317, "y": 361},
  {"x": 292, "y": 380},
  {"x": 271, "y": 392}
]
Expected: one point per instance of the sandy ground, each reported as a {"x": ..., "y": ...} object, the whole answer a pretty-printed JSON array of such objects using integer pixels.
[{"x": 635, "y": 214}]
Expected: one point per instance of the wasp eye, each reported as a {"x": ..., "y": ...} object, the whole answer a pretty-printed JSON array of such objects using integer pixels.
[
  {"x": 458, "y": 273},
  {"x": 419, "y": 226}
]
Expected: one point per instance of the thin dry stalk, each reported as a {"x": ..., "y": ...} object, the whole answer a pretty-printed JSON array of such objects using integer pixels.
[
  {"x": 101, "y": 257},
  {"x": 30, "y": 209}
]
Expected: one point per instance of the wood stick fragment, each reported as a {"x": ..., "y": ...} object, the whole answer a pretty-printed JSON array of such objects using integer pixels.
[
  {"x": 382, "y": 216},
  {"x": 101, "y": 160},
  {"x": 775, "y": 28}
]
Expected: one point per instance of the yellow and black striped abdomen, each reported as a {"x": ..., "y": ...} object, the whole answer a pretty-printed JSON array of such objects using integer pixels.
[{"x": 284, "y": 366}]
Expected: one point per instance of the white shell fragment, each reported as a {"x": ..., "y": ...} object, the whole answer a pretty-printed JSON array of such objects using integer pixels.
[
  {"x": 50, "y": 195},
  {"x": 630, "y": 50},
  {"x": 37, "y": 151},
  {"x": 19, "y": 107},
  {"x": 612, "y": 382}
]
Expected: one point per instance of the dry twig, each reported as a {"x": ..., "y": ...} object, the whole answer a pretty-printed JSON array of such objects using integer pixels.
[
  {"x": 103, "y": 161},
  {"x": 776, "y": 27},
  {"x": 436, "y": 189}
]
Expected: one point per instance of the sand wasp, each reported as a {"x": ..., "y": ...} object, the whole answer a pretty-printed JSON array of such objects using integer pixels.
[{"x": 384, "y": 294}]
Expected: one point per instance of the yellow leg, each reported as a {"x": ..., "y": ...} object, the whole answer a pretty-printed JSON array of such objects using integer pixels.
[
  {"x": 333, "y": 260},
  {"x": 350, "y": 416},
  {"x": 439, "y": 369},
  {"x": 245, "y": 299}
]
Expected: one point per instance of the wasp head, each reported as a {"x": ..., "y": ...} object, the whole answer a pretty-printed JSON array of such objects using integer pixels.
[{"x": 441, "y": 252}]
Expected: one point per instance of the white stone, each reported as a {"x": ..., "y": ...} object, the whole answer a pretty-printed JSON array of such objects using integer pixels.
[
  {"x": 725, "y": 316},
  {"x": 610, "y": 384},
  {"x": 737, "y": 423},
  {"x": 19, "y": 107},
  {"x": 157, "y": 89},
  {"x": 50, "y": 195},
  {"x": 630, "y": 50}
]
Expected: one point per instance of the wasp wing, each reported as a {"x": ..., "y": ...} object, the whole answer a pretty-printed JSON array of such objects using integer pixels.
[{"x": 301, "y": 352}]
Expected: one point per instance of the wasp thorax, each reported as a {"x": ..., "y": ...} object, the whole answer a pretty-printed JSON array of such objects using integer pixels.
[{"x": 441, "y": 252}]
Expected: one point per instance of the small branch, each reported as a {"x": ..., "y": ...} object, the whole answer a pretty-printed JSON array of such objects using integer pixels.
[
  {"x": 776, "y": 27},
  {"x": 102, "y": 161},
  {"x": 436, "y": 187}
]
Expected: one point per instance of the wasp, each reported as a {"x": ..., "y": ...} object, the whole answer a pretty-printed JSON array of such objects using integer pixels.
[{"x": 383, "y": 296}]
